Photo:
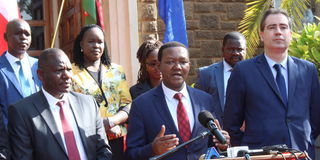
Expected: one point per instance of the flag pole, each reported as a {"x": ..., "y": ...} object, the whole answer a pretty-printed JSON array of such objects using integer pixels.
[{"x": 57, "y": 25}]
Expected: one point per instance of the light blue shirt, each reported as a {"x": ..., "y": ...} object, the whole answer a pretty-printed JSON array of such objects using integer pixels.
[
  {"x": 26, "y": 67},
  {"x": 284, "y": 69}
]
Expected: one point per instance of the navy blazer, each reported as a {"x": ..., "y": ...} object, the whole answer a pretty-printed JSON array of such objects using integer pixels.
[
  {"x": 10, "y": 90},
  {"x": 253, "y": 97},
  {"x": 149, "y": 111},
  {"x": 211, "y": 80}
]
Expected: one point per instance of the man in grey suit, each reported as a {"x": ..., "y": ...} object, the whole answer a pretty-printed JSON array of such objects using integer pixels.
[
  {"x": 213, "y": 79},
  {"x": 56, "y": 123}
]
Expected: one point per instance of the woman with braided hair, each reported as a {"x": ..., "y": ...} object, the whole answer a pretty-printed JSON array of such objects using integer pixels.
[{"x": 149, "y": 75}]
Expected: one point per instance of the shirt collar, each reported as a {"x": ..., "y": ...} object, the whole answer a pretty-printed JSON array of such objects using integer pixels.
[
  {"x": 226, "y": 67},
  {"x": 272, "y": 62},
  {"x": 12, "y": 59},
  {"x": 52, "y": 100},
  {"x": 169, "y": 93}
]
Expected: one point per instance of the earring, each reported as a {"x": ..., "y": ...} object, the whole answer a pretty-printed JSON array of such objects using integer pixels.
[{"x": 81, "y": 50}]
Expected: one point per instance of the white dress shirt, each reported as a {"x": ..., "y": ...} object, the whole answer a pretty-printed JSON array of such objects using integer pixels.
[
  {"x": 284, "y": 69},
  {"x": 226, "y": 75},
  {"x": 26, "y": 67},
  {"x": 172, "y": 104},
  {"x": 70, "y": 118}
]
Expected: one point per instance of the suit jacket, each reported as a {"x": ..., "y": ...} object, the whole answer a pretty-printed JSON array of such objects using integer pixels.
[
  {"x": 139, "y": 89},
  {"x": 10, "y": 90},
  {"x": 211, "y": 80},
  {"x": 4, "y": 140},
  {"x": 253, "y": 97},
  {"x": 35, "y": 136},
  {"x": 149, "y": 111}
]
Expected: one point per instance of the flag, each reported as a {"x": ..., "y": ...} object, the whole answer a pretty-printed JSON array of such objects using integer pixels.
[
  {"x": 8, "y": 11},
  {"x": 172, "y": 13},
  {"x": 93, "y": 12},
  {"x": 99, "y": 14}
]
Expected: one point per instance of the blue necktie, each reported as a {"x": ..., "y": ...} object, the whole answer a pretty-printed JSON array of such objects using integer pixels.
[
  {"x": 24, "y": 83},
  {"x": 281, "y": 83}
]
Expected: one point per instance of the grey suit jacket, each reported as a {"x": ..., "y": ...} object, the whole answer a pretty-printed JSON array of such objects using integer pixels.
[
  {"x": 35, "y": 136},
  {"x": 210, "y": 80}
]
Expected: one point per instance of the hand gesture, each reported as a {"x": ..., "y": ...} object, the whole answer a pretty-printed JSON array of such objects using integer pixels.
[{"x": 163, "y": 143}]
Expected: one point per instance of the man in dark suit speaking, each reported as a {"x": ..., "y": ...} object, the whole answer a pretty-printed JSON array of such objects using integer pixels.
[
  {"x": 165, "y": 116},
  {"x": 278, "y": 96},
  {"x": 56, "y": 123}
]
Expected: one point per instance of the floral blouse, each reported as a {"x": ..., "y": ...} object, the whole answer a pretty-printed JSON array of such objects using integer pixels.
[{"x": 113, "y": 84}]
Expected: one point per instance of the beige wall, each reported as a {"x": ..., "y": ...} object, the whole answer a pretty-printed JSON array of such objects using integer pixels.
[{"x": 121, "y": 26}]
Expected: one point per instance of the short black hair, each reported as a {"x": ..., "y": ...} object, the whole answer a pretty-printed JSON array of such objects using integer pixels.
[
  {"x": 43, "y": 58},
  {"x": 274, "y": 11},
  {"x": 78, "y": 57},
  {"x": 169, "y": 45},
  {"x": 232, "y": 35}
]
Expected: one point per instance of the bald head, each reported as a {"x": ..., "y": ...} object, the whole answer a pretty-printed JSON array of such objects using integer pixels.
[{"x": 18, "y": 37}]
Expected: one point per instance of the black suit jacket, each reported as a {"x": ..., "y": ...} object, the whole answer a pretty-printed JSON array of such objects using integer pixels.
[
  {"x": 35, "y": 136},
  {"x": 139, "y": 89},
  {"x": 4, "y": 140}
]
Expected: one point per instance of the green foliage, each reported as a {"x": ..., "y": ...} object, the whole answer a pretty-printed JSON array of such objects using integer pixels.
[{"x": 306, "y": 45}]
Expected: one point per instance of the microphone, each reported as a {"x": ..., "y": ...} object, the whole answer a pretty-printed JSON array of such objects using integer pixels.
[{"x": 207, "y": 120}]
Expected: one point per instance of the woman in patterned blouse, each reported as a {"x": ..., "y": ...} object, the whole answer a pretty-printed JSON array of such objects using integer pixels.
[{"x": 94, "y": 74}]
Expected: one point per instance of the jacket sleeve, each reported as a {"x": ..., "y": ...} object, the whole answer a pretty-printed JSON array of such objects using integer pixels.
[
  {"x": 235, "y": 107},
  {"x": 20, "y": 140},
  {"x": 137, "y": 146},
  {"x": 103, "y": 149}
]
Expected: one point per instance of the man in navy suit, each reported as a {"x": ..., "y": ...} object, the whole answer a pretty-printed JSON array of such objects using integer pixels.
[
  {"x": 278, "y": 96},
  {"x": 213, "y": 79},
  {"x": 155, "y": 120},
  {"x": 18, "y": 71}
]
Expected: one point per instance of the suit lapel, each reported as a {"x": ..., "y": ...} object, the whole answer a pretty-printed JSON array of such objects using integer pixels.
[
  {"x": 43, "y": 108},
  {"x": 34, "y": 67},
  {"x": 264, "y": 69},
  {"x": 196, "y": 110},
  {"x": 218, "y": 73},
  {"x": 9, "y": 72},
  {"x": 162, "y": 107},
  {"x": 292, "y": 78},
  {"x": 77, "y": 109}
]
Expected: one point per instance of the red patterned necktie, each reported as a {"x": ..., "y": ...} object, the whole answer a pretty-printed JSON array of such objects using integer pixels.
[
  {"x": 183, "y": 119},
  {"x": 73, "y": 153}
]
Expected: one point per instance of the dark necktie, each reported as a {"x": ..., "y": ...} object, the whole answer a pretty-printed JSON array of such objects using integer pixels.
[
  {"x": 183, "y": 119},
  {"x": 24, "y": 83},
  {"x": 73, "y": 152},
  {"x": 281, "y": 83}
]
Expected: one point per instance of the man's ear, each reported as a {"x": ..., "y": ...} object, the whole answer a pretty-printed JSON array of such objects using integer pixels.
[
  {"x": 5, "y": 36},
  {"x": 261, "y": 36},
  {"x": 40, "y": 74}
]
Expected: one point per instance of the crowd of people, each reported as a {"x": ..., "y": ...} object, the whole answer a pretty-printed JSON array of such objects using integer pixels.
[{"x": 52, "y": 109}]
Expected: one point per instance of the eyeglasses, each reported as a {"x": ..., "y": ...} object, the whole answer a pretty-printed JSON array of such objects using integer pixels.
[
  {"x": 175, "y": 63},
  {"x": 154, "y": 64}
]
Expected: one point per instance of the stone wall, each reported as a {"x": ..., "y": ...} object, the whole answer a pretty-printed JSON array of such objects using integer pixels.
[{"x": 207, "y": 22}]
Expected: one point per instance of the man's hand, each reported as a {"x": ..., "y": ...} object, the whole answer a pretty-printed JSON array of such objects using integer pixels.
[
  {"x": 216, "y": 142},
  {"x": 163, "y": 143}
]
